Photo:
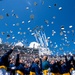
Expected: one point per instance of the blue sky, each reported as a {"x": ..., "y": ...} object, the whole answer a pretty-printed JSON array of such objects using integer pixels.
[{"x": 16, "y": 12}]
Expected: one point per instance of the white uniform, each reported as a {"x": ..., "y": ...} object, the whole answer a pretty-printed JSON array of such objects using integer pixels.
[
  {"x": 73, "y": 72},
  {"x": 3, "y": 72},
  {"x": 17, "y": 74}
]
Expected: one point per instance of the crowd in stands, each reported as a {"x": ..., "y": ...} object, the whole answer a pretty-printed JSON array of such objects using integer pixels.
[{"x": 24, "y": 64}]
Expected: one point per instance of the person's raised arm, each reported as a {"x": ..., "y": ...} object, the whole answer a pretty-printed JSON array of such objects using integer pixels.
[
  {"x": 17, "y": 60},
  {"x": 6, "y": 55}
]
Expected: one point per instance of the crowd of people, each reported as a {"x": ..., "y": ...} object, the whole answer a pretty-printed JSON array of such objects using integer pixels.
[{"x": 36, "y": 66}]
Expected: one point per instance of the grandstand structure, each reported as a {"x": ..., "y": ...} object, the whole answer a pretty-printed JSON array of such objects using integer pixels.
[{"x": 23, "y": 50}]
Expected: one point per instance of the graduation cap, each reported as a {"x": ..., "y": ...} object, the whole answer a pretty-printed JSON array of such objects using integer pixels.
[
  {"x": 55, "y": 4},
  {"x": 62, "y": 28},
  {"x": 2, "y": 33},
  {"x": 8, "y": 35},
  {"x": 1, "y": 16},
  {"x": 70, "y": 26},
  {"x": 27, "y": 8},
  {"x": 35, "y": 3},
  {"x": 60, "y": 8},
  {"x": 7, "y": 14},
  {"x": 49, "y": 6},
  {"x": 32, "y": 16},
  {"x": 42, "y": 2},
  {"x": 16, "y": 16},
  {"x": 46, "y": 21},
  {"x": 22, "y": 22}
]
